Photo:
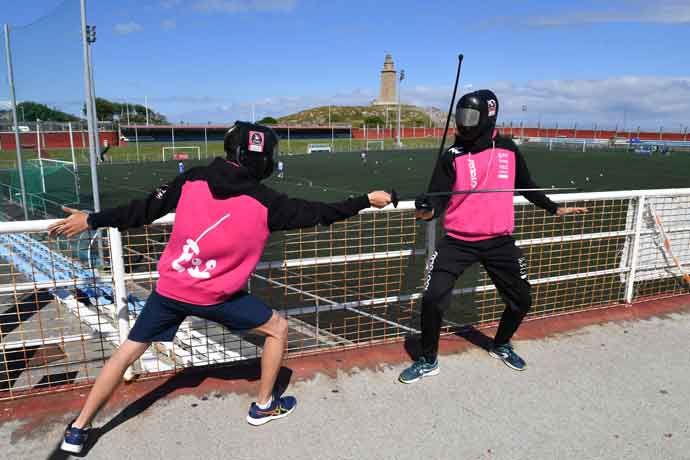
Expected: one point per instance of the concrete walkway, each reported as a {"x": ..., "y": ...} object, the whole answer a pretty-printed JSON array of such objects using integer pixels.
[{"x": 613, "y": 391}]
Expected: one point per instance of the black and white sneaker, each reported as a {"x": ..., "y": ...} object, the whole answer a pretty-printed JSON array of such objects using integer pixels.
[{"x": 506, "y": 354}]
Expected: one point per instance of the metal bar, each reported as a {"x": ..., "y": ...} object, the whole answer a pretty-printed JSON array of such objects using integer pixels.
[
  {"x": 333, "y": 303},
  {"x": 13, "y": 99},
  {"x": 89, "y": 111},
  {"x": 630, "y": 287},
  {"x": 136, "y": 140},
  {"x": 119, "y": 290},
  {"x": 46, "y": 341}
]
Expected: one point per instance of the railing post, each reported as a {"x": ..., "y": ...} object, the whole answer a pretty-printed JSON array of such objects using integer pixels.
[
  {"x": 117, "y": 265},
  {"x": 630, "y": 285}
]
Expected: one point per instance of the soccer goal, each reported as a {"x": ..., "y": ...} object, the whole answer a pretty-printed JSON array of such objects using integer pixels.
[
  {"x": 181, "y": 152},
  {"x": 314, "y": 148},
  {"x": 375, "y": 145},
  {"x": 57, "y": 179}
]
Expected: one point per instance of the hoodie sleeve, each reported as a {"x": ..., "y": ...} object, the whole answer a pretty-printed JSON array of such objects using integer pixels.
[
  {"x": 143, "y": 211},
  {"x": 291, "y": 213},
  {"x": 442, "y": 180},
  {"x": 523, "y": 180}
]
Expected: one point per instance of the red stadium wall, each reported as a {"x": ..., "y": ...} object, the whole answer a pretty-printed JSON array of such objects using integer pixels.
[{"x": 55, "y": 139}]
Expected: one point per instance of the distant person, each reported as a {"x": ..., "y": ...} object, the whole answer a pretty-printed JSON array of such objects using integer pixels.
[
  {"x": 478, "y": 228},
  {"x": 104, "y": 151},
  {"x": 180, "y": 167},
  {"x": 224, "y": 218},
  {"x": 281, "y": 169},
  {"x": 363, "y": 157}
]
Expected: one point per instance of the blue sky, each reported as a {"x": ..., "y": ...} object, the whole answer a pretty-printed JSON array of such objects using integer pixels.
[{"x": 210, "y": 60}]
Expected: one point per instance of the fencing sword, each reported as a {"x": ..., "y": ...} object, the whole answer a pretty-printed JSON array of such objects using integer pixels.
[{"x": 395, "y": 198}]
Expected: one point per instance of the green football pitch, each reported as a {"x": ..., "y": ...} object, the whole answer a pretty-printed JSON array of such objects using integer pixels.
[{"x": 336, "y": 176}]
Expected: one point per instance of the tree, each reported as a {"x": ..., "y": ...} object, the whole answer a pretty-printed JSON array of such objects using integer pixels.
[
  {"x": 105, "y": 110},
  {"x": 31, "y": 111},
  {"x": 373, "y": 120},
  {"x": 268, "y": 121}
]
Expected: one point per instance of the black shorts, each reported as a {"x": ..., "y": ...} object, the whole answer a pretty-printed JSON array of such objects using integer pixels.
[{"x": 162, "y": 316}]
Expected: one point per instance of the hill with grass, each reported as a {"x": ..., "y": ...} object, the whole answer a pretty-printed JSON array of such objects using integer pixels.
[{"x": 372, "y": 115}]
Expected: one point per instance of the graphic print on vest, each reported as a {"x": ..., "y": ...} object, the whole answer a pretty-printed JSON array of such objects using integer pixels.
[{"x": 191, "y": 252}]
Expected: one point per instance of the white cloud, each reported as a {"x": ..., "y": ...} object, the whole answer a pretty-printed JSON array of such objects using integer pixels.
[
  {"x": 657, "y": 12},
  {"x": 234, "y": 6},
  {"x": 649, "y": 102},
  {"x": 127, "y": 28},
  {"x": 5, "y": 105},
  {"x": 169, "y": 24}
]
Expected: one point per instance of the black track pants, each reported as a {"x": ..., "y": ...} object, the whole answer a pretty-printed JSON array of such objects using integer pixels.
[{"x": 506, "y": 267}]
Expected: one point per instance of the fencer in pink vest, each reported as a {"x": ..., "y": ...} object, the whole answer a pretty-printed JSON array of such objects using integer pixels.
[
  {"x": 223, "y": 218},
  {"x": 478, "y": 228}
]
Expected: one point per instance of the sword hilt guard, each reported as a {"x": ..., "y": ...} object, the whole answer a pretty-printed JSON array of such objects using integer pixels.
[{"x": 394, "y": 198}]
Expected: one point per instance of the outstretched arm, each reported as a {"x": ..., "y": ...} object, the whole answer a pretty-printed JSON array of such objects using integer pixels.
[
  {"x": 291, "y": 213},
  {"x": 524, "y": 180},
  {"x": 135, "y": 214}
]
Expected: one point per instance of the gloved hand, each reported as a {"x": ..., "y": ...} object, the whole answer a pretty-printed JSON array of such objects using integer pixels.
[
  {"x": 424, "y": 210},
  {"x": 423, "y": 203}
]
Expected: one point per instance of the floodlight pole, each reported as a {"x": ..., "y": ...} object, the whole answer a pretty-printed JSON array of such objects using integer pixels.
[
  {"x": 13, "y": 101},
  {"x": 89, "y": 109},
  {"x": 350, "y": 147},
  {"x": 402, "y": 77},
  {"x": 136, "y": 140},
  {"x": 40, "y": 157},
  {"x": 71, "y": 145},
  {"x": 94, "y": 112},
  {"x": 330, "y": 125},
  {"x": 205, "y": 142}
]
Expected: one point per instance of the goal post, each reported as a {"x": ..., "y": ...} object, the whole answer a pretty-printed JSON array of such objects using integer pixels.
[
  {"x": 315, "y": 148},
  {"x": 181, "y": 152},
  {"x": 375, "y": 145}
]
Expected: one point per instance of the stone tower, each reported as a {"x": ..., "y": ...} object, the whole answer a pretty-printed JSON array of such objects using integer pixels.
[{"x": 389, "y": 76}]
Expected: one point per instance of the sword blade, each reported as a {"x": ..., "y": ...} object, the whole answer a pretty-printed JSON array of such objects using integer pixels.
[{"x": 501, "y": 190}]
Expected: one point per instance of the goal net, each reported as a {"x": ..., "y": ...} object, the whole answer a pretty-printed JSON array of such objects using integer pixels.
[
  {"x": 188, "y": 152},
  {"x": 56, "y": 179},
  {"x": 375, "y": 145},
  {"x": 315, "y": 148}
]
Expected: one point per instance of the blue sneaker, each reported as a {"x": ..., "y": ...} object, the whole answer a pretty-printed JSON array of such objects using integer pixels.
[
  {"x": 75, "y": 438},
  {"x": 280, "y": 407},
  {"x": 420, "y": 368},
  {"x": 508, "y": 356}
]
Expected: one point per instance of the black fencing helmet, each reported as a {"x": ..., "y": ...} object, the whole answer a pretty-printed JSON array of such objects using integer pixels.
[
  {"x": 475, "y": 115},
  {"x": 253, "y": 147}
]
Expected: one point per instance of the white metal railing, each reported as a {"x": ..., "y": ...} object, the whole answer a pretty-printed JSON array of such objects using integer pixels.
[{"x": 355, "y": 282}]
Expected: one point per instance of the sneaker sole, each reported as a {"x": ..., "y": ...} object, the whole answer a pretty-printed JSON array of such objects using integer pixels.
[
  {"x": 497, "y": 356},
  {"x": 261, "y": 421},
  {"x": 71, "y": 448},
  {"x": 428, "y": 374}
]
